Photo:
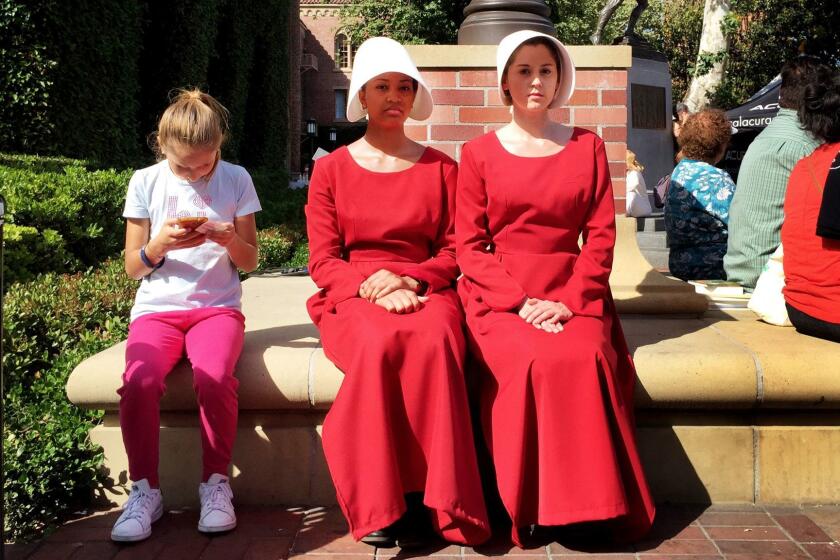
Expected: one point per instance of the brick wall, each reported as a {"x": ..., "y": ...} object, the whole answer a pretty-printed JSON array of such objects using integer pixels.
[
  {"x": 318, "y": 86},
  {"x": 467, "y": 104}
]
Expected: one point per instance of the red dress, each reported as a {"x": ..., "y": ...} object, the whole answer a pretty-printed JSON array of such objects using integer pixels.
[
  {"x": 811, "y": 262},
  {"x": 557, "y": 409},
  {"x": 400, "y": 422}
]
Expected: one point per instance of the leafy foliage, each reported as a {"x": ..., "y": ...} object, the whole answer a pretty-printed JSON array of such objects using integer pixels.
[
  {"x": 280, "y": 204},
  {"x": 62, "y": 215},
  {"x": 90, "y": 79},
  {"x": 783, "y": 29},
  {"x": 28, "y": 252},
  {"x": 428, "y": 22},
  {"x": 25, "y": 80},
  {"x": 49, "y": 326},
  {"x": 282, "y": 247}
]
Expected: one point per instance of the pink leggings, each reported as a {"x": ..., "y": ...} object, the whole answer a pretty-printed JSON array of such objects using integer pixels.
[{"x": 212, "y": 338}]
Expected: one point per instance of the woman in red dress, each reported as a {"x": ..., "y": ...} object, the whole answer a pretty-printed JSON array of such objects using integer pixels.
[
  {"x": 397, "y": 439},
  {"x": 556, "y": 390}
]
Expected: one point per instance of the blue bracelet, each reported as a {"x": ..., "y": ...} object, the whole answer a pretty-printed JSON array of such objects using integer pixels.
[{"x": 146, "y": 260}]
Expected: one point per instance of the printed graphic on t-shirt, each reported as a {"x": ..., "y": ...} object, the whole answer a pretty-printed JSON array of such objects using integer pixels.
[{"x": 199, "y": 203}]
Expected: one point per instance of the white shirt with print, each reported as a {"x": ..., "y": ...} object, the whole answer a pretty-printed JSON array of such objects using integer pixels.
[{"x": 202, "y": 276}]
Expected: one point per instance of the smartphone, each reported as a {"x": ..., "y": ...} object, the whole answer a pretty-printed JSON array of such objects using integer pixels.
[{"x": 191, "y": 222}]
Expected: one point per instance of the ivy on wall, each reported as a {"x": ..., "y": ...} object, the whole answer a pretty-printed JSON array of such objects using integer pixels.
[{"x": 90, "y": 79}]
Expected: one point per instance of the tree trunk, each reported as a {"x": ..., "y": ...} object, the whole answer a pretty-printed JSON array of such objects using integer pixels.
[{"x": 714, "y": 44}]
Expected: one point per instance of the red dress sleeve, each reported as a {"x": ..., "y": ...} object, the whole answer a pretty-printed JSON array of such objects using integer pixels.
[
  {"x": 327, "y": 266},
  {"x": 588, "y": 286},
  {"x": 440, "y": 270},
  {"x": 496, "y": 287}
]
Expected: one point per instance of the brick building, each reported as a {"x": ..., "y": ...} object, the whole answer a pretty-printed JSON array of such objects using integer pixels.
[{"x": 326, "y": 61}]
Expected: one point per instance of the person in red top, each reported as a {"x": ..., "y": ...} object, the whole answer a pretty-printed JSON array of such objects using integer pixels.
[
  {"x": 812, "y": 252},
  {"x": 556, "y": 391},
  {"x": 397, "y": 439}
]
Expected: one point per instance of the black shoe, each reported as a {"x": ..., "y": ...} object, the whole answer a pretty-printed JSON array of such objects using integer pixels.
[
  {"x": 534, "y": 536},
  {"x": 414, "y": 528},
  {"x": 414, "y": 536},
  {"x": 384, "y": 538}
]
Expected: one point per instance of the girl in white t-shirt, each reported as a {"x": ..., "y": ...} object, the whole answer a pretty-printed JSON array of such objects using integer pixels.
[
  {"x": 188, "y": 302},
  {"x": 637, "y": 203}
]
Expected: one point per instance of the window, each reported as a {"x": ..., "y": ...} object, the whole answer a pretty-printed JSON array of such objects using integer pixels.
[
  {"x": 342, "y": 51},
  {"x": 340, "y": 104}
]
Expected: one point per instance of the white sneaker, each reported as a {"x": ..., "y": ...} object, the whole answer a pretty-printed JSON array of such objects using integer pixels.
[
  {"x": 217, "y": 513},
  {"x": 143, "y": 508}
]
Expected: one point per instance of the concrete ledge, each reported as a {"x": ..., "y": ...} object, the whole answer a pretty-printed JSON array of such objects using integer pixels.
[
  {"x": 484, "y": 56},
  {"x": 731, "y": 361}
]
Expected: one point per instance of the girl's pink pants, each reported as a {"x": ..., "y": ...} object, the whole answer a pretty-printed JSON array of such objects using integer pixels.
[{"x": 212, "y": 339}]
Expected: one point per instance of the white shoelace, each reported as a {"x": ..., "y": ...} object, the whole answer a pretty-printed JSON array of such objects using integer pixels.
[
  {"x": 139, "y": 503},
  {"x": 218, "y": 497}
]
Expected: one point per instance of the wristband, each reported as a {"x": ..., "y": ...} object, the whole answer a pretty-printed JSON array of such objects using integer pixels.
[{"x": 147, "y": 262}]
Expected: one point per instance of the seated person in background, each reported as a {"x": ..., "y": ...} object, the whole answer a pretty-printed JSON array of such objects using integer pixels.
[
  {"x": 638, "y": 203},
  {"x": 697, "y": 205},
  {"x": 810, "y": 233},
  {"x": 681, "y": 113},
  {"x": 757, "y": 213}
]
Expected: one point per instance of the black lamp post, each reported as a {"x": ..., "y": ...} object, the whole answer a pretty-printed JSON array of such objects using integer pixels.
[
  {"x": 311, "y": 134},
  {"x": 488, "y": 21}
]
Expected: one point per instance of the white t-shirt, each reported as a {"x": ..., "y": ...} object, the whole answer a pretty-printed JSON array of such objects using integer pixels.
[
  {"x": 638, "y": 203},
  {"x": 201, "y": 276}
]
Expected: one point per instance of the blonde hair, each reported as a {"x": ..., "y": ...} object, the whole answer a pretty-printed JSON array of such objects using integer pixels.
[
  {"x": 194, "y": 119},
  {"x": 632, "y": 162}
]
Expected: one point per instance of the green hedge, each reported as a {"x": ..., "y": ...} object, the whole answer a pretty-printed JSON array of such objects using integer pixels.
[
  {"x": 61, "y": 219},
  {"x": 28, "y": 252},
  {"x": 63, "y": 215},
  {"x": 25, "y": 80},
  {"x": 280, "y": 204},
  {"x": 49, "y": 326},
  {"x": 90, "y": 79},
  {"x": 70, "y": 83},
  {"x": 281, "y": 247}
]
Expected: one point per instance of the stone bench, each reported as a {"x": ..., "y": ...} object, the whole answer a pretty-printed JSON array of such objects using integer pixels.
[{"x": 729, "y": 409}]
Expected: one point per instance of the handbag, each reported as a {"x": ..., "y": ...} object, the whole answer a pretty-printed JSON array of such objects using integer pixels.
[
  {"x": 660, "y": 191},
  {"x": 767, "y": 300}
]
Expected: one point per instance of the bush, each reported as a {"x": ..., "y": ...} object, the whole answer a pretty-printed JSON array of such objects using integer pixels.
[
  {"x": 50, "y": 465},
  {"x": 301, "y": 254},
  {"x": 281, "y": 247},
  {"x": 25, "y": 80},
  {"x": 28, "y": 252},
  {"x": 70, "y": 218},
  {"x": 280, "y": 204},
  {"x": 52, "y": 324},
  {"x": 45, "y": 318},
  {"x": 54, "y": 100}
]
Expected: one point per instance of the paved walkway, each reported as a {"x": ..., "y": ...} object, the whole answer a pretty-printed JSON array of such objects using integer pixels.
[{"x": 719, "y": 532}]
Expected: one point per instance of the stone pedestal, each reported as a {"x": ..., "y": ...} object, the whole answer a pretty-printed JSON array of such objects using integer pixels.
[{"x": 649, "y": 125}]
